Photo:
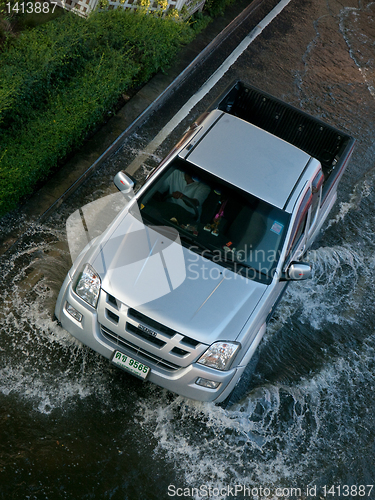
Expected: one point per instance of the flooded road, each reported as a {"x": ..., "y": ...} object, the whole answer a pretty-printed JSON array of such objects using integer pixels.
[{"x": 73, "y": 427}]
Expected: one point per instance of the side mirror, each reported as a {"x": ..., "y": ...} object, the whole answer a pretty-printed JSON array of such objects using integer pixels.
[
  {"x": 297, "y": 271},
  {"x": 124, "y": 182}
]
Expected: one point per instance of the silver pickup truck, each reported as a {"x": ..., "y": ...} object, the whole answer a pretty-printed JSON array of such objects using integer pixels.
[{"x": 178, "y": 290}]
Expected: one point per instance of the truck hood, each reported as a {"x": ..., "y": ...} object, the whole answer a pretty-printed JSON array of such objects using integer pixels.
[{"x": 148, "y": 269}]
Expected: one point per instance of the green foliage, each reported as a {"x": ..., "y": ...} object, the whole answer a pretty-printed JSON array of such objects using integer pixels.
[
  {"x": 216, "y": 7},
  {"x": 199, "y": 21},
  {"x": 57, "y": 82},
  {"x": 5, "y": 12}
]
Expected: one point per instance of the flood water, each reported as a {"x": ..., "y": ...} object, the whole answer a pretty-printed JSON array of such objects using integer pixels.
[{"x": 74, "y": 427}]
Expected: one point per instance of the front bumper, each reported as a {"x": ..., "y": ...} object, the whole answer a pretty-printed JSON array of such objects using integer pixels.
[{"x": 181, "y": 380}]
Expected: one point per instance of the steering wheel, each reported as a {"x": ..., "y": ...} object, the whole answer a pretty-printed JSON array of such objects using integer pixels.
[{"x": 188, "y": 202}]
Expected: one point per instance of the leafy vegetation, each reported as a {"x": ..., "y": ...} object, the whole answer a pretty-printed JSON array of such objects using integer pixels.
[
  {"x": 216, "y": 8},
  {"x": 58, "y": 80}
]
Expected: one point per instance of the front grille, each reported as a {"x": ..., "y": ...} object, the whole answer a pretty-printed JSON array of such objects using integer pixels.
[
  {"x": 141, "y": 353},
  {"x": 111, "y": 315},
  {"x": 147, "y": 336},
  {"x": 112, "y": 300},
  {"x": 142, "y": 336},
  {"x": 190, "y": 342},
  {"x": 179, "y": 352},
  {"x": 132, "y": 313}
]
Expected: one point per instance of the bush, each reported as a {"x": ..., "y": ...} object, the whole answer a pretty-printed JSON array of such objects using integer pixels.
[
  {"x": 216, "y": 7},
  {"x": 57, "y": 81}
]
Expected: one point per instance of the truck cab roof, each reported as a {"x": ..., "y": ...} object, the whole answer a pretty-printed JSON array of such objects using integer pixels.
[{"x": 250, "y": 158}]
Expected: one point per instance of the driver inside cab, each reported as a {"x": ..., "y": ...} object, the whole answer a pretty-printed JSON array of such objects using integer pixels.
[{"x": 184, "y": 190}]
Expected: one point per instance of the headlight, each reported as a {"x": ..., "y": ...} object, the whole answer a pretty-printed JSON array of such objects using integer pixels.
[
  {"x": 220, "y": 355},
  {"x": 88, "y": 286}
]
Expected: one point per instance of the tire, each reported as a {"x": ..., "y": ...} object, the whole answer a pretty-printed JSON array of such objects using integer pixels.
[{"x": 243, "y": 385}]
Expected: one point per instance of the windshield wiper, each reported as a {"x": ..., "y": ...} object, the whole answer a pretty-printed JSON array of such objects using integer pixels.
[
  {"x": 197, "y": 244},
  {"x": 216, "y": 255}
]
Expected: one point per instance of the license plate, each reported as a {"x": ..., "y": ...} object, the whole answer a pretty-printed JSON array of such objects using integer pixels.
[{"x": 130, "y": 365}]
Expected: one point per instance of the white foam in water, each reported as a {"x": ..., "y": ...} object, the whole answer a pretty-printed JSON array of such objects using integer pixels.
[
  {"x": 278, "y": 447},
  {"x": 41, "y": 391},
  {"x": 361, "y": 190},
  {"x": 231, "y": 449},
  {"x": 41, "y": 362},
  {"x": 48, "y": 370},
  {"x": 331, "y": 291}
]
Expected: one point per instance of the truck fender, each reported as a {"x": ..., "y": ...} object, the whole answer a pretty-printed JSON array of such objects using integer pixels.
[
  {"x": 246, "y": 368},
  {"x": 254, "y": 345}
]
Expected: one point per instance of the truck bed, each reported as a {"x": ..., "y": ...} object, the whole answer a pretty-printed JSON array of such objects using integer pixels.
[{"x": 321, "y": 141}]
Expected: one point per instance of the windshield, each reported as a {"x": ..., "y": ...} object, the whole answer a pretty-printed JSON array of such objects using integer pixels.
[{"x": 217, "y": 220}]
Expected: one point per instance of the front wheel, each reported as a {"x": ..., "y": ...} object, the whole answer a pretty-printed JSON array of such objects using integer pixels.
[{"x": 244, "y": 384}]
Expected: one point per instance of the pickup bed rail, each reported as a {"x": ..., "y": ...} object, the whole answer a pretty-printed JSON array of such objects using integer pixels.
[{"x": 321, "y": 141}]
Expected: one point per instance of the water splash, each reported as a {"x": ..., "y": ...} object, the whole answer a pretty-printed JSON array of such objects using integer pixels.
[{"x": 277, "y": 436}]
